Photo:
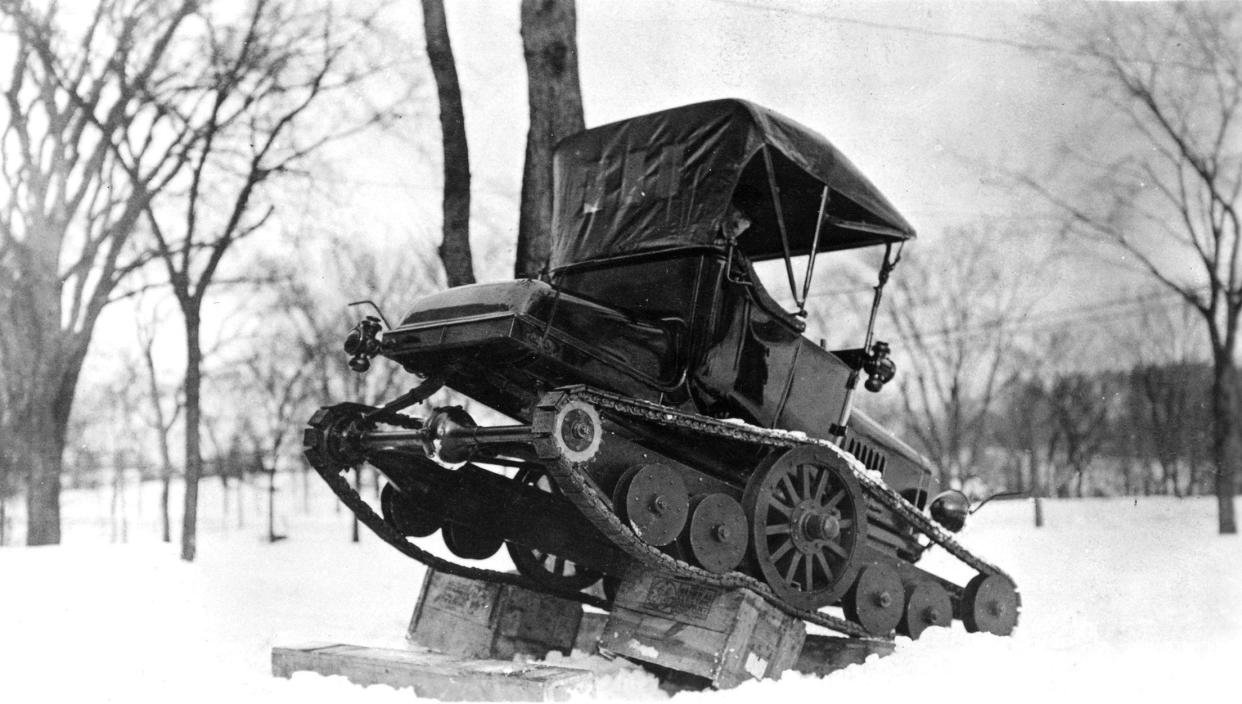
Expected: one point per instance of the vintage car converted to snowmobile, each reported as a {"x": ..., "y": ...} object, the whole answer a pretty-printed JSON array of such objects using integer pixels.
[{"x": 668, "y": 412}]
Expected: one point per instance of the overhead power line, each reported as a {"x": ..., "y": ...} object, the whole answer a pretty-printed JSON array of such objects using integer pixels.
[
  {"x": 1102, "y": 311},
  {"x": 978, "y": 38},
  {"x": 1065, "y": 317}
]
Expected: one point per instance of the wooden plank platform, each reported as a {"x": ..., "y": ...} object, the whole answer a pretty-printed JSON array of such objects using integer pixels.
[{"x": 435, "y": 675}]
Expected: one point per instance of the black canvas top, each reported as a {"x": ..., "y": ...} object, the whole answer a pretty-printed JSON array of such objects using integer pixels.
[{"x": 670, "y": 179}]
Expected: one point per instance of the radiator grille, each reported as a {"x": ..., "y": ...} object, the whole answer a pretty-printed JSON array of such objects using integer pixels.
[{"x": 868, "y": 455}]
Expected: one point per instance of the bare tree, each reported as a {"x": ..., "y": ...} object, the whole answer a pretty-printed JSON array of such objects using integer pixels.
[
  {"x": 74, "y": 100},
  {"x": 1168, "y": 392},
  {"x": 280, "y": 388},
  {"x": 1162, "y": 188},
  {"x": 1025, "y": 427},
  {"x": 955, "y": 314},
  {"x": 161, "y": 420},
  {"x": 264, "y": 77},
  {"x": 455, "y": 250},
  {"x": 1079, "y": 405},
  {"x": 307, "y": 318},
  {"x": 549, "y": 41}
]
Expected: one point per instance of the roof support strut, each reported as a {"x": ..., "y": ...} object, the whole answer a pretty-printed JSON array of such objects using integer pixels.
[
  {"x": 851, "y": 383},
  {"x": 810, "y": 264},
  {"x": 775, "y": 190}
]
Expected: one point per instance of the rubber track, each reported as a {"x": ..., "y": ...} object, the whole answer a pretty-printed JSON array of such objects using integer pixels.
[
  {"x": 348, "y": 496},
  {"x": 586, "y": 496}
]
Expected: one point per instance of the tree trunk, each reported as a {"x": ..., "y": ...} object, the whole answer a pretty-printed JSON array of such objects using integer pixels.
[
  {"x": 116, "y": 497},
  {"x": 43, "y": 488},
  {"x": 37, "y": 381},
  {"x": 551, "y": 48},
  {"x": 455, "y": 249},
  {"x": 271, "y": 504},
  {"x": 193, "y": 455},
  {"x": 166, "y": 466},
  {"x": 165, "y": 490},
  {"x": 1224, "y": 454},
  {"x": 1192, "y": 482},
  {"x": 45, "y": 427},
  {"x": 354, "y": 534},
  {"x": 224, "y": 495},
  {"x": 1038, "y": 486}
]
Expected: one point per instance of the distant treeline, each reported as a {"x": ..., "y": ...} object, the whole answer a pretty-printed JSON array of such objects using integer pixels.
[{"x": 1138, "y": 432}]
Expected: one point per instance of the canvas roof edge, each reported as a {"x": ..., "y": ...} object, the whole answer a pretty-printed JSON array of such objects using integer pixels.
[{"x": 669, "y": 178}]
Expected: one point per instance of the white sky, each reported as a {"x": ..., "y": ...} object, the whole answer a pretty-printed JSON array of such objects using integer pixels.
[
  {"x": 926, "y": 116},
  {"x": 911, "y": 110}
]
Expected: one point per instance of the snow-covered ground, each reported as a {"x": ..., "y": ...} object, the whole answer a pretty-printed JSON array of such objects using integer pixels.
[{"x": 1123, "y": 600}]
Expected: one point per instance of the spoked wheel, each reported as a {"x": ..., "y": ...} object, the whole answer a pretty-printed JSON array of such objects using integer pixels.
[
  {"x": 807, "y": 524},
  {"x": 411, "y": 516},
  {"x": 990, "y": 604},
  {"x": 543, "y": 567}
]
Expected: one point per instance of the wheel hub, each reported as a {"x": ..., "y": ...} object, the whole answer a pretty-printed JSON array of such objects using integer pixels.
[
  {"x": 814, "y": 526},
  {"x": 577, "y": 430},
  {"x": 653, "y": 499},
  {"x": 875, "y": 602},
  {"x": 817, "y": 525}
]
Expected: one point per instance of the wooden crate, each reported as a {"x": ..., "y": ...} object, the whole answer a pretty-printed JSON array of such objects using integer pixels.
[
  {"x": 477, "y": 619},
  {"x": 436, "y": 675},
  {"x": 824, "y": 654},
  {"x": 589, "y": 630},
  {"x": 727, "y": 636}
]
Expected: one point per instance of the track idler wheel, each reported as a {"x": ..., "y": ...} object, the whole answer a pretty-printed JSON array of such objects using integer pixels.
[
  {"x": 330, "y": 440},
  {"x": 808, "y": 522},
  {"x": 716, "y": 536},
  {"x": 470, "y": 544},
  {"x": 405, "y": 512},
  {"x": 652, "y": 499},
  {"x": 990, "y": 603},
  {"x": 927, "y": 605},
  {"x": 547, "y": 569},
  {"x": 876, "y": 600},
  {"x": 574, "y": 432}
]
